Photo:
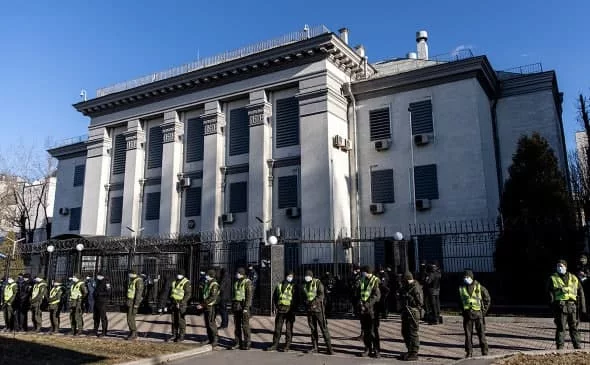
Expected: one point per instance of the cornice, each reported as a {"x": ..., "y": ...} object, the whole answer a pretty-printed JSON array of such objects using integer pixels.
[{"x": 69, "y": 151}]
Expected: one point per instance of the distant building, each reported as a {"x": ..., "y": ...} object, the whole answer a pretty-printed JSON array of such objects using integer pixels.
[{"x": 302, "y": 132}]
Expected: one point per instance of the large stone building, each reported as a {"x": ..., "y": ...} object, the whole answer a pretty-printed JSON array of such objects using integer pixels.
[{"x": 302, "y": 131}]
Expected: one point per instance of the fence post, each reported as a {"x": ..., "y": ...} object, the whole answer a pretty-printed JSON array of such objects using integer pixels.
[{"x": 272, "y": 272}]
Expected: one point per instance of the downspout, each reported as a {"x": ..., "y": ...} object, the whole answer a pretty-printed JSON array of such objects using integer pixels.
[
  {"x": 352, "y": 160},
  {"x": 499, "y": 172}
]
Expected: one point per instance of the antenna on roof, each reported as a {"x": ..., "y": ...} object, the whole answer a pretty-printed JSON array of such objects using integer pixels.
[{"x": 306, "y": 31}]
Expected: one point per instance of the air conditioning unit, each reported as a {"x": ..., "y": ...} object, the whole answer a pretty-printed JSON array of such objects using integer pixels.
[
  {"x": 64, "y": 211},
  {"x": 338, "y": 141},
  {"x": 293, "y": 212},
  {"x": 347, "y": 146},
  {"x": 382, "y": 144},
  {"x": 377, "y": 208},
  {"x": 227, "y": 218},
  {"x": 191, "y": 224},
  {"x": 185, "y": 182},
  {"x": 421, "y": 139},
  {"x": 422, "y": 204}
]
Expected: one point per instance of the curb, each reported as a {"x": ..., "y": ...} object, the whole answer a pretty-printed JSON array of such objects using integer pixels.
[
  {"x": 160, "y": 359},
  {"x": 532, "y": 353}
]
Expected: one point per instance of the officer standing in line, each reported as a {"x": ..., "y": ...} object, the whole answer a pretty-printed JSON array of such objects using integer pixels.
[
  {"x": 369, "y": 295},
  {"x": 78, "y": 293},
  {"x": 9, "y": 293},
  {"x": 354, "y": 286},
  {"x": 37, "y": 295},
  {"x": 314, "y": 300},
  {"x": 382, "y": 308},
  {"x": 241, "y": 305},
  {"x": 475, "y": 303},
  {"x": 134, "y": 298},
  {"x": 24, "y": 302},
  {"x": 583, "y": 273},
  {"x": 210, "y": 300},
  {"x": 283, "y": 302},
  {"x": 102, "y": 294},
  {"x": 54, "y": 301},
  {"x": 433, "y": 293},
  {"x": 411, "y": 300},
  {"x": 224, "y": 297},
  {"x": 566, "y": 294},
  {"x": 180, "y": 293}
]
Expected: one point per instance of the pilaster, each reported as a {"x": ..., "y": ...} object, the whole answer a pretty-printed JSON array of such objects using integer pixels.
[
  {"x": 172, "y": 152},
  {"x": 134, "y": 172}
]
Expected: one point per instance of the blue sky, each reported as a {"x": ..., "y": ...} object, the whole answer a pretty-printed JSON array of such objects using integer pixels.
[{"x": 49, "y": 50}]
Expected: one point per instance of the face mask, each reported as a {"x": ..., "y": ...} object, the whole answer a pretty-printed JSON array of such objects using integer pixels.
[
  {"x": 468, "y": 280},
  {"x": 38, "y": 280},
  {"x": 131, "y": 276},
  {"x": 179, "y": 277},
  {"x": 99, "y": 277},
  {"x": 75, "y": 280},
  {"x": 307, "y": 279},
  {"x": 10, "y": 281},
  {"x": 583, "y": 262},
  {"x": 561, "y": 269},
  {"x": 238, "y": 276},
  {"x": 207, "y": 277},
  {"x": 88, "y": 278},
  {"x": 56, "y": 284},
  {"x": 289, "y": 279}
]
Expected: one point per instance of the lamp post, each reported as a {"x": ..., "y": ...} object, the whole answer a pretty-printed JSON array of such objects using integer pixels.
[
  {"x": 50, "y": 250},
  {"x": 132, "y": 252},
  {"x": 79, "y": 248}
]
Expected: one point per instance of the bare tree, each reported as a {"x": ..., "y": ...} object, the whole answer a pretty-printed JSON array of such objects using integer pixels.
[{"x": 579, "y": 166}]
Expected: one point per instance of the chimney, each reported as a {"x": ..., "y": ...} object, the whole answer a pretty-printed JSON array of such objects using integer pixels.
[
  {"x": 344, "y": 35},
  {"x": 422, "y": 46},
  {"x": 412, "y": 56},
  {"x": 360, "y": 50}
]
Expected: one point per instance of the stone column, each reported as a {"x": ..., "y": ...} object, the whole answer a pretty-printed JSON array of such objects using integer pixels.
[
  {"x": 98, "y": 167},
  {"x": 213, "y": 160},
  {"x": 172, "y": 131},
  {"x": 259, "y": 191},
  {"x": 134, "y": 172}
]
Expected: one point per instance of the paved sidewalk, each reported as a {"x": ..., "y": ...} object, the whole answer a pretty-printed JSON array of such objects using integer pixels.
[{"x": 439, "y": 344}]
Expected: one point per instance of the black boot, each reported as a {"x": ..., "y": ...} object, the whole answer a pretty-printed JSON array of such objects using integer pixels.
[
  {"x": 314, "y": 348},
  {"x": 273, "y": 347},
  {"x": 364, "y": 353}
]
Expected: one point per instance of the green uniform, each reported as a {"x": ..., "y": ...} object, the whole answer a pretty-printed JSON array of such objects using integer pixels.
[
  {"x": 134, "y": 298},
  {"x": 370, "y": 295},
  {"x": 78, "y": 293},
  {"x": 241, "y": 306},
  {"x": 210, "y": 301},
  {"x": 412, "y": 301},
  {"x": 314, "y": 300},
  {"x": 475, "y": 303},
  {"x": 54, "y": 306},
  {"x": 283, "y": 299},
  {"x": 567, "y": 300},
  {"x": 180, "y": 293},
  {"x": 8, "y": 296},
  {"x": 37, "y": 295}
]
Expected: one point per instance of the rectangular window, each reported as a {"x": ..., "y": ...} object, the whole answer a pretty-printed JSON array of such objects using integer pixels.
[
  {"x": 155, "y": 148},
  {"x": 238, "y": 197},
  {"x": 192, "y": 205},
  {"x": 79, "y": 172},
  {"x": 239, "y": 132},
  {"x": 287, "y": 122},
  {"x": 194, "y": 140},
  {"x": 288, "y": 191},
  {"x": 116, "y": 213},
  {"x": 119, "y": 155},
  {"x": 382, "y": 186},
  {"x": 421, "y": 115},
  {"x": 75, "y": 217},
  {"x": 379, "y": 124},
  {"x": 425, "y": 182},
  {"x": 152, "y": 206}
]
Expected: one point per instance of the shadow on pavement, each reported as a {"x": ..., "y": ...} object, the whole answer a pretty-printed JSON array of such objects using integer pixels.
[{"x": 17, "y": 352}]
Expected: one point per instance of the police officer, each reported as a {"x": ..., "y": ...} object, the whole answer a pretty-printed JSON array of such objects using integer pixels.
[
  {"x": 432, "y": 289},
  {"x": 224, "y": 297},
  {"x": 134, "y": 298},
  {"x": 283, "y": 301},
  {"x": 180, "y": 293},
  {"x": 369, "y": 295},
  {"x": 38, "y": 293},
  {"x": 475, "y": 303},
  {"x": 241, "y": 305},
  {"x": 210, "y": 300},
  {"x": 566, "y": 294},
  {"x": 78, "y": 293},
  {"x": 24, "y": 302},
  {"x": 382, "y": 307},
  {"x": 583, "y": 273},
  {"x": 314, "y": 302},
  {"x": 54, "y": 301},
  {"x": 102, "y": 294},
  {"x": 354, "y": 286},
  {"x": 9, "y": 294},
  {"x": 411, "y": 300}
]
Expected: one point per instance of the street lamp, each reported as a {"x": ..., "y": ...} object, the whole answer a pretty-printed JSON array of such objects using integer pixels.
[
  {"x": 273, "y": 240},
  {"x": 79, "y": 248},
  {"x": 50, "y": 250},
  {"x": 398, "y": 236}
]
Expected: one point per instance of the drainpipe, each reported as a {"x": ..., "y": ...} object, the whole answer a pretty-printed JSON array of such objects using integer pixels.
[
  {"x": 499, "y": 172},
  {"x": 352, "y": 159}
]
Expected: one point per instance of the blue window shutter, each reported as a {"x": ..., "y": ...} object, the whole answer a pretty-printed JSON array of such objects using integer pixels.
[
  {"x": 116, "y": 213},
  {"x": 379, "y": 124},
  {"x": 425, "y": 182},
  {"x": 152, "y": 206},
  {"x": 421, "y": 115},
  {"x": 239, "y": 132},
  {"x": 75, "y": 217},
  {"x": 79, "y": 172},
  {"x": 288, "y": 191},
  {"x": 382, "y": 190},
  {"x": 119, "y": 155},
  {"x": 155, "y": 148},
  {"x": 287, "y": 122},
  {"x": 194, "y": 140},
  {"x": 238, "y": 197},
  {"x": 192, "y": 205}
]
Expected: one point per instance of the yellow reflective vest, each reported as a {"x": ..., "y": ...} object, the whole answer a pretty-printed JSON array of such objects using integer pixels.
[{"x": 562, "y": 292}]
